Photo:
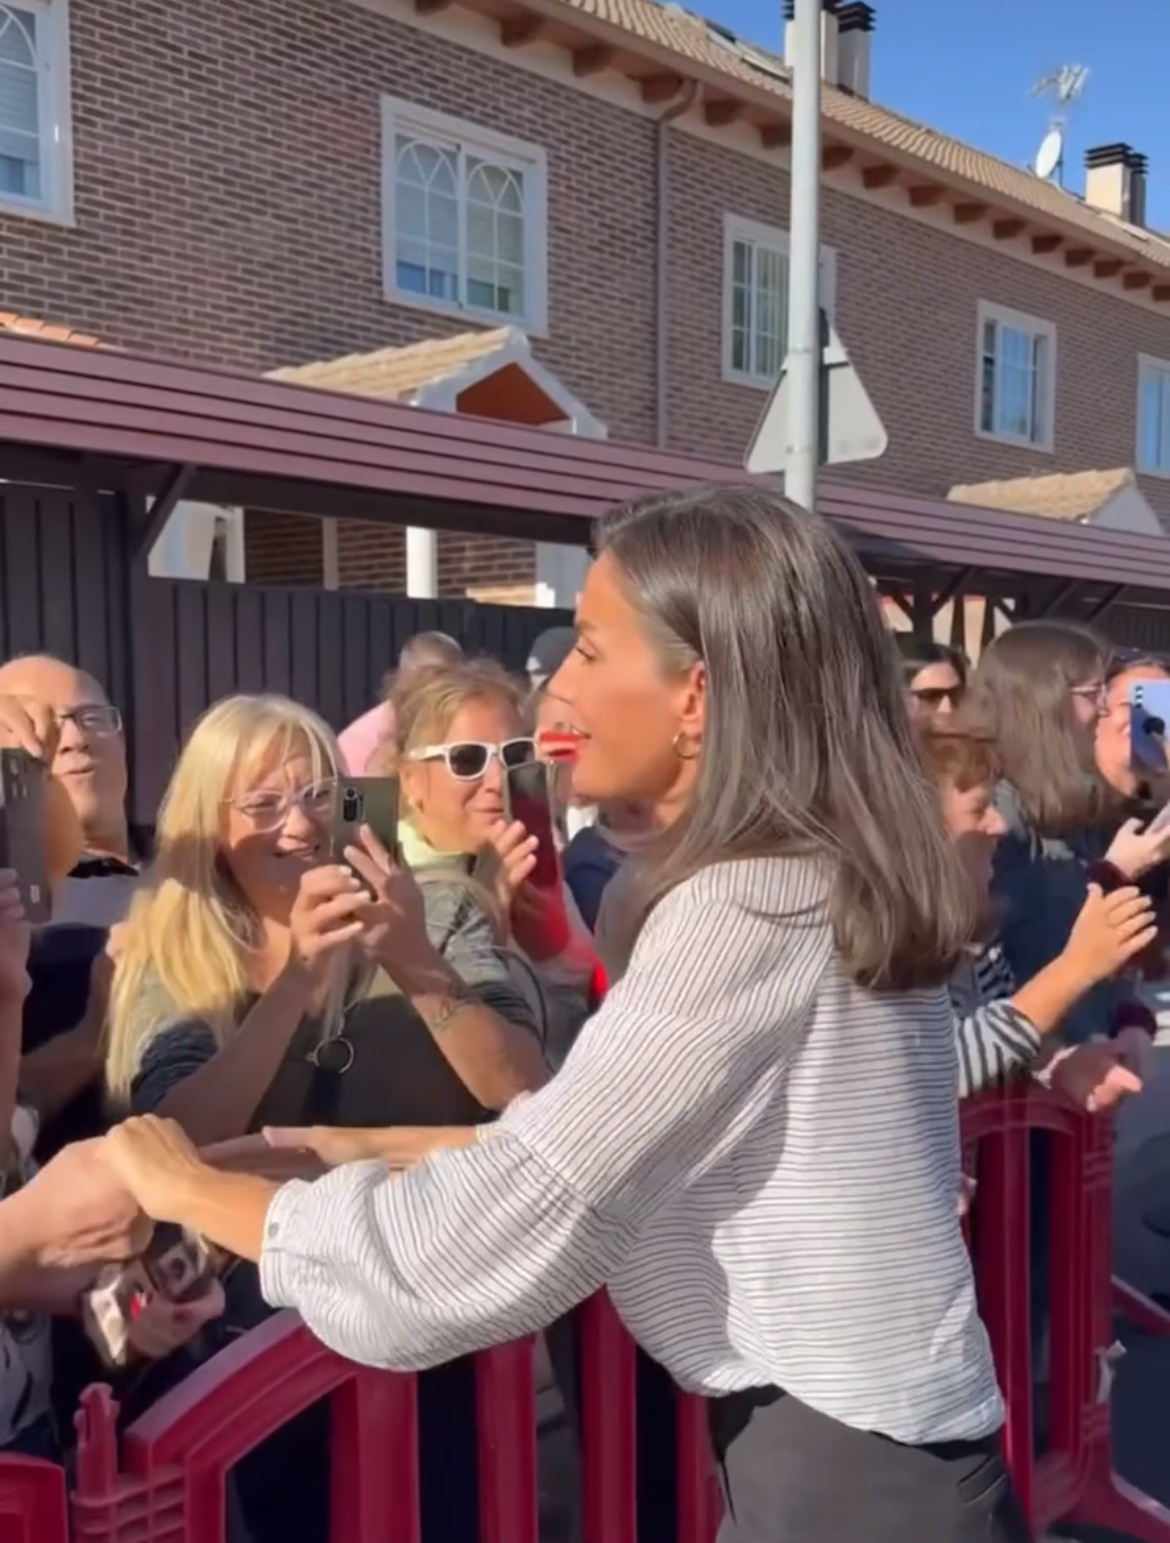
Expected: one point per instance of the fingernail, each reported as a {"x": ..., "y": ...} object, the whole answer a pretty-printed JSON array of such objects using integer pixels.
[{"x": 138, "y": 1304}]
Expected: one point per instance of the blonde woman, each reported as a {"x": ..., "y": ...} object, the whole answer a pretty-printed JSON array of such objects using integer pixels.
[
  {"x": 245, "y": 991},
  {"x": 257, "y": 985}
]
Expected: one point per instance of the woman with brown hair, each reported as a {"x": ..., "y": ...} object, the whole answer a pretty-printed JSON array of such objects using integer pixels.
[
  {"x": 739, "y": 1135},
  {"x": 1040, "y": 692},
  {"x": 1002, "y": 1030}
]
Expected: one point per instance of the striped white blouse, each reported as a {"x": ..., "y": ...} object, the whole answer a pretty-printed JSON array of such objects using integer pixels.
[{"x": 760, "y": 1159}]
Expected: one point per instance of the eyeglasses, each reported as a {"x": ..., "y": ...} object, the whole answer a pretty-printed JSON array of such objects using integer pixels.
[
  {"x": 1096, "y": 692},
  {"x": 268, "y": 810},
  {"x": 935, "y": 696},
  {"x": 467, "y": 760},
  {"x": 99, "y": 720}
]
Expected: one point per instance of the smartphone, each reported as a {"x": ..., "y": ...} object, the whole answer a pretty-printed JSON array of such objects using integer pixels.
[
  {"x": 359, "y": 801},
  {"x": 176, "y": 1265},
  {"x": 1149, "y": 716},
  {"x": 529, "y": 796},
  {"x": 23, "y": 834}
]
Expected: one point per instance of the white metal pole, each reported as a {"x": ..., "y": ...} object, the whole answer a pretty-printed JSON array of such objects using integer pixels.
[{"x": 804, "y": 322}]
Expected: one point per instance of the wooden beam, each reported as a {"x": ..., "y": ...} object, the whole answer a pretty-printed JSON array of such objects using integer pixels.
[
  {"x": 1108, "y": 267},
  {"x": 879, "y": 176},
  {"x": 661, "y": 88},
  {"x": 1078, "y": 256},
  {"x": 721, "y": 111},
  {"x": 773, "y": 135},
  {"x": 519, "y": 30},
  {"x": 926, "y": 195},
  {"x": 1105, "y": 603},
  {"x": 1135, "y": 280},
  {"x": 835, "y": 156},
  {"x": 968, "y": 214},
  {"x": 591, "y": 61},
  {"x": 1007, "y": 230},
  {"x": 1161, "y": 292},
  {"x": 1045, "y": 243},
  {"x": 952, "y": 589},
  {"x": 170, "y": 494}
]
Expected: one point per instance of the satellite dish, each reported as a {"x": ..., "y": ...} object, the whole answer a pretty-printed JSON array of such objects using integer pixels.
[{"x": 1048, "y": 157}]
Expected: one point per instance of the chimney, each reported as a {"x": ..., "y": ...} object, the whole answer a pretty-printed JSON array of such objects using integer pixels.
[
  {"x": 1115, "y": 182},
  {"x": 854, "y": 31},
  {"x": 829, "y": 55}
]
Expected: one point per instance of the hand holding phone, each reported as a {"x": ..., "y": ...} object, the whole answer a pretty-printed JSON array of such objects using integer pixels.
[
  {"x": 529, "y": 799},
  {"x": 370, "y": 801},
  {"x": 176, "y": 1266}
]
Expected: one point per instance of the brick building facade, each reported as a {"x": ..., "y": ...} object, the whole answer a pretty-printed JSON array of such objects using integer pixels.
[{"x": 219, "y": 182}]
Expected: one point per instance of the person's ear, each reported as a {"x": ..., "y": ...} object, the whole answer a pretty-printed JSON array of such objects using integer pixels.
[{"x": 692, "y": 704}]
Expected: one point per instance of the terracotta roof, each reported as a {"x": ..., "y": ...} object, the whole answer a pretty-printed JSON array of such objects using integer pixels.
[
  {"x": 397, "y": 373},
  {"x": 691, "y": 37},
  {"x": 1073, "y": 496},
  {"x": 45, "y": 331}
]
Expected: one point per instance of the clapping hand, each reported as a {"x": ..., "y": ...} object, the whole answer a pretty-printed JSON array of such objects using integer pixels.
[
  {"x": 538, "y": 919},
  {"x": 1110, "y": 931}
]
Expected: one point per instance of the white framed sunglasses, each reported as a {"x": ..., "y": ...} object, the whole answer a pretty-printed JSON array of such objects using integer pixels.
[{"x": 467, "y": 760}]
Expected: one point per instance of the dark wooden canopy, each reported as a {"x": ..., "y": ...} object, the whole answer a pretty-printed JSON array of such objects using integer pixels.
[{"x": 116, "y": 421}]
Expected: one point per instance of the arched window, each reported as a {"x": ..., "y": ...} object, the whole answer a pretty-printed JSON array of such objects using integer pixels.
[{"x": 465, "y": 221}]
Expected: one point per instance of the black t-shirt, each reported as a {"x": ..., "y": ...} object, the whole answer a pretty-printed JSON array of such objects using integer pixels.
[{"x": 61, "y": 958}]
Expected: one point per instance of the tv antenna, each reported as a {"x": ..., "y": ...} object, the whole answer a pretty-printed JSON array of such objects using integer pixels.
[{"x": 1065, "y": 85}]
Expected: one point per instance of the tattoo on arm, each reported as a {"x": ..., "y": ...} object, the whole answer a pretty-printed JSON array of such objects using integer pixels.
[{"x": 443, "y": 1009}]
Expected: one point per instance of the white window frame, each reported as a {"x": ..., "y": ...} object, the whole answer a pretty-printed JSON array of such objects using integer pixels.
[
  {"x": 404, "y": 117},
  {"x": 54, "y": 100},
  {"x": 1020, "y": 321},
  {"x": 738, "y": 228},
  {"x": 1148, "y": 365}
]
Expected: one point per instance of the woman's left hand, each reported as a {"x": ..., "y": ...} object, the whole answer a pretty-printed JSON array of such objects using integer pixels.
[
  {"x": 516, "y": 851},
  {"x": 395, "y": 920},
  {"x": 155, "y": 1161},
  {"x": 157, "y": 1327}
]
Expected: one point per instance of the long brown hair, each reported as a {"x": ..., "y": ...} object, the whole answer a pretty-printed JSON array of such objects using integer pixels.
[
  {"x": 1022, "y": 694},
  {"x": 807, "y": 745}
]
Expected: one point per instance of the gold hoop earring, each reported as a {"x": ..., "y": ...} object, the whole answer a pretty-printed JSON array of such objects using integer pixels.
[{"x": 681, "y": 751}]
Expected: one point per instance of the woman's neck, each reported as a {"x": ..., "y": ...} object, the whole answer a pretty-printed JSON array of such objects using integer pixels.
[{"x": 270, "y": 955}]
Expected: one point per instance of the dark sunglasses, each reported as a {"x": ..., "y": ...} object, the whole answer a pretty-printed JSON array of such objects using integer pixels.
[
  {"x": 935, "y": 696},
  {"x": 468, "y": 760}
]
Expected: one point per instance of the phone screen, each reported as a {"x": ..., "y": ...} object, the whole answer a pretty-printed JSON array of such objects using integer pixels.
[
  {"x": 530, "y": 802},
  {"x": 23, "y": 833}
]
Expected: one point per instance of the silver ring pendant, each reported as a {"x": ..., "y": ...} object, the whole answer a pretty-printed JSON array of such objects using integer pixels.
[{"x": 333, "y": 1055}]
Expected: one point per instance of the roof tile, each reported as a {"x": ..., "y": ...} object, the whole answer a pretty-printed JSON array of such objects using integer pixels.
[
  {"x": 691, "y": 37},
  {"x": 396, "y": 373},
  {"x": 1072, "y": 496},
  {"x": 46, "y": 332}
]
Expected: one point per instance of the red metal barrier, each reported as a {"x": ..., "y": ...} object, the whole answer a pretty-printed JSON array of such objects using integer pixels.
[{"x": 166, "y": 1484}]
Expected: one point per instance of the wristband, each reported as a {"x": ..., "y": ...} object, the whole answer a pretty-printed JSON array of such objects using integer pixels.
[
  {"x": 1107, "y": 876},
  {"x": 1133, "y": 1015}
]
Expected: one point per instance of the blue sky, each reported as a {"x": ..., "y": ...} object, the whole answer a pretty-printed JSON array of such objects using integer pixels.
[{"x": 967, "y": 70}]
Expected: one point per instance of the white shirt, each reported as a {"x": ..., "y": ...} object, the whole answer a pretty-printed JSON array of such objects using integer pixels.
[{"x": 759, "y": 1158}]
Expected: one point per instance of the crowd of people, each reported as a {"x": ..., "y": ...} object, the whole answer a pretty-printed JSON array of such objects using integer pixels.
[{"x": 814, "y": 882}]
